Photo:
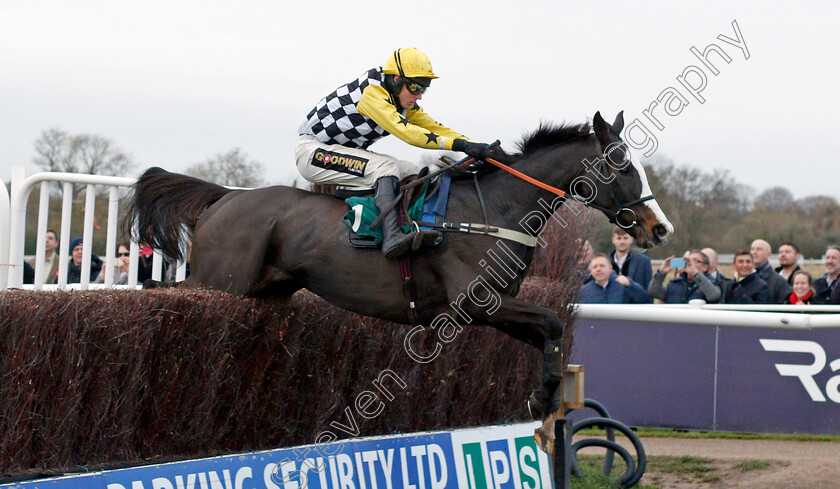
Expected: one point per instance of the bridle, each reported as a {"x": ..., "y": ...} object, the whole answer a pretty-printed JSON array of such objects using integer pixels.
[{"x": 613, "y": 216}]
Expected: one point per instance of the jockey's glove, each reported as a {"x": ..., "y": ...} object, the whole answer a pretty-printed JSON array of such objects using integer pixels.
[{"x": 479, "y": 151}]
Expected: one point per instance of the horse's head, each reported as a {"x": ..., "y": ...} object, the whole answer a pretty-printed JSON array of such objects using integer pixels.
[{"x": 621, "y": 189}]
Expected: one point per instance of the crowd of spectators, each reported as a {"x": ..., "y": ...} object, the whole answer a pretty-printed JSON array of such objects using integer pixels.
[
  {"x": 98, "y": 267},
  {"x": 626, "y": 277}
]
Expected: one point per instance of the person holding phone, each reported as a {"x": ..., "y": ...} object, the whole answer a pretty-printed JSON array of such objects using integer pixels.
[
  {"x": 120, "y": 267},
  {"x": 691, "y": 280}
]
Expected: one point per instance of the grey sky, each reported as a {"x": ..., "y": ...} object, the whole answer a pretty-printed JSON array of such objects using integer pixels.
[{"x": 173, "y": 83}]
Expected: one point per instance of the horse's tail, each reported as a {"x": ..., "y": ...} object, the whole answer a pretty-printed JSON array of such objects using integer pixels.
[{"x": 163, "y": 202}]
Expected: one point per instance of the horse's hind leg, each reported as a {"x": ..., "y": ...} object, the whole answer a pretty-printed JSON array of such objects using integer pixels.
[{"x": 233, "y": 257}]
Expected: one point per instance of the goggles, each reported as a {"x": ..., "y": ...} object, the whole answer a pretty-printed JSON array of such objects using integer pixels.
[{"x": 414, "y": 87}]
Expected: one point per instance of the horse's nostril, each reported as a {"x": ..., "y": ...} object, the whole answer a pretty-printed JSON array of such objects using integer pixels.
[{"x": 660, "y": 231}]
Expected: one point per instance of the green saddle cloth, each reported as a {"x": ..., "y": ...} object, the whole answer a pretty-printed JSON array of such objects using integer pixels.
[{"x": 363, "y": 211}]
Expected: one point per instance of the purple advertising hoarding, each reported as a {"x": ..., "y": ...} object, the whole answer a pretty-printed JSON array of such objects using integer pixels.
[{"x": 762, "y": 380}]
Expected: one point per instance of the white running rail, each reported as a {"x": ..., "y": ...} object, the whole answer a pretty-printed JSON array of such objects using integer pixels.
[{"x": 21, "y": 189}]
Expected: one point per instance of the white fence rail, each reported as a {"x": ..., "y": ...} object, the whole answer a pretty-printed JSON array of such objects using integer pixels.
[
  {"x": 5, "y": 214},
  {"x": 753, "y": 316},
  {"x": 13, "y": 222}
]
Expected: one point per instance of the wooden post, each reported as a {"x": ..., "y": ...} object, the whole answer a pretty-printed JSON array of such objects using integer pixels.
[
  {"x": 554, "y": 436},
  {"x": 562, "y": 463}
]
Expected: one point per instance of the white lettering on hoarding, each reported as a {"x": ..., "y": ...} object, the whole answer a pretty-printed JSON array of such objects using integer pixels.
[{"x": 806, "y": 372}]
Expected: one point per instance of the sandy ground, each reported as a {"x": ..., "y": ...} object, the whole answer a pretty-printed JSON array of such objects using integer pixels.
[{"x": 807, "y": 465}]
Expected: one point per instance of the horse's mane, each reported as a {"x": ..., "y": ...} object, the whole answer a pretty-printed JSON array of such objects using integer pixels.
[{"x": 549, "y": 134}]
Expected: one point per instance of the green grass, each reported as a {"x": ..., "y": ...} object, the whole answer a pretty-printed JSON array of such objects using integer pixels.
[
  {"x": 593, "y": 476},
  {"x": 687, "y": 469},
  {"x": 750, "y": 465}
]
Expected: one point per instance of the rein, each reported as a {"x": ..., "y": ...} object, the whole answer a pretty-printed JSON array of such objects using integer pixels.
[
  {"x": 612, "y": 215},
  {"x": 531, "y": 180}
]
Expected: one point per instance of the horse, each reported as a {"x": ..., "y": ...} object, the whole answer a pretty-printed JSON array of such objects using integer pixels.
[{"x": 270, "y": 242}]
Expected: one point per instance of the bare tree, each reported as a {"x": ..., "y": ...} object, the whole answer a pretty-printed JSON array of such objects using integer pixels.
[
  {"x": 233, "y": 168},
  {"x": 776, "y": 199},
  {"x": 58, "y": 151}
]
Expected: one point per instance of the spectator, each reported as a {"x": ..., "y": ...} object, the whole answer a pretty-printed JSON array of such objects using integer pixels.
[
  {"x": 803, "y": 288},
  {"x": 120, "y": 267},
  {"x": 824, "y": 286},
  {"x": 604, "y": 288},
  {"x": 691, "y": 282},
  {"x": 586, "y": 252},
  {"x": 713, "y": 272},
  {"x": 788, "y": 261},
  {"x": 74, "y": 268},
  {"x": 746, "y": 287},
  {"x": 634, "y": 266},
  {"x": 835, "y": 296},
  {"x": 779, "y": 288},
  {"x": 144, "y": 267},
  {"x": 28, "y": 273},
  {"x": 50, "y": 258},
  {"x": 584, "y": 256}
]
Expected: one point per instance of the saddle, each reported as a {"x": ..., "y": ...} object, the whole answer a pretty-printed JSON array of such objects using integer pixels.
[{"x": 419, "y": 203}]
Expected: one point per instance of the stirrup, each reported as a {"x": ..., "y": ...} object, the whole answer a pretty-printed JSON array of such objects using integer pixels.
[{"x": 424, "y": 237}]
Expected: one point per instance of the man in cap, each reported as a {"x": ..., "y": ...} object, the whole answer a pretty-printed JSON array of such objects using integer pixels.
[
  {"x": 74, "y": 268},
  {"x": 334, "y": 138}
]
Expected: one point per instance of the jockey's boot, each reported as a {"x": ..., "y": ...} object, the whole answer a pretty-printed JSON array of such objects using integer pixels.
[{"x": 394, "y": 241}]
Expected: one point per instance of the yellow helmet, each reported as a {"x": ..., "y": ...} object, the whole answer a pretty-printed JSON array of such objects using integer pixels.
[{"x": 409, "y": 63}]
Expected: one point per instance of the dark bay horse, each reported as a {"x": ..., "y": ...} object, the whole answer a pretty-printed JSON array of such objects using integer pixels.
[{"x": 271, "y": 242}]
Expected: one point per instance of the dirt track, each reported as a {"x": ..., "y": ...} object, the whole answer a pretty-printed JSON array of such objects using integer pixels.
[{"x": 807, "y": 465}]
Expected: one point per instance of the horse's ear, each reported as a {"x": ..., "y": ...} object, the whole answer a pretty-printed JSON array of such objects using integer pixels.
[
  {"x": 618, "y": 125},
  {"x": 601, "y": 128}
]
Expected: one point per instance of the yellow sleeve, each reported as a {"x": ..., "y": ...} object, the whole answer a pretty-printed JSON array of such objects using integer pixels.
[{"x": 417, "y": 129}]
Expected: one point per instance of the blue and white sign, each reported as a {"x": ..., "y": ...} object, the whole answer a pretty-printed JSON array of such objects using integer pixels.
[{"x": 500, "y": 457}]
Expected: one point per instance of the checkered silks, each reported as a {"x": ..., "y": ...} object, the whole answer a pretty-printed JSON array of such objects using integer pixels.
[{"x": 336, "y": 120}]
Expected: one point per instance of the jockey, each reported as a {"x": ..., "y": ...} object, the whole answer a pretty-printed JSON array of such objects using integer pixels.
[{"x": 333, "y": 140}]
